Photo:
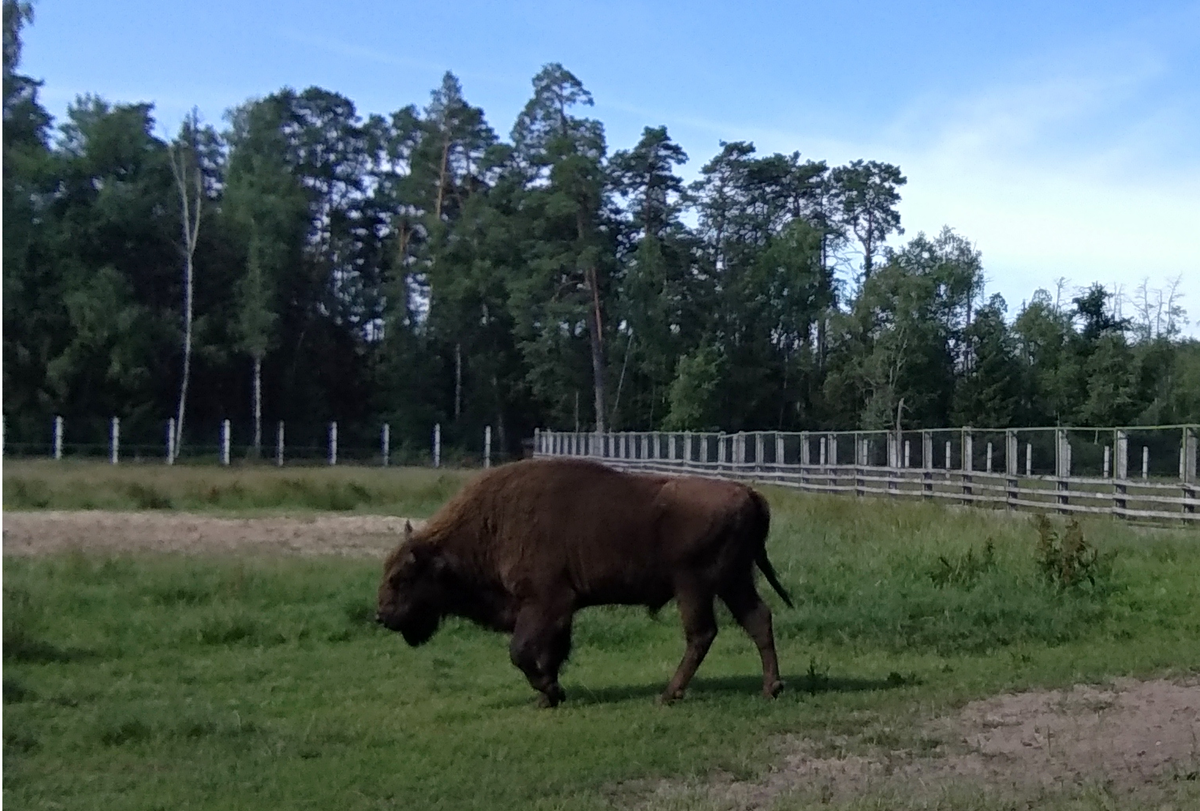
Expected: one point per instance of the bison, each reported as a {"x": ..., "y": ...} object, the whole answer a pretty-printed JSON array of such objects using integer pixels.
[{"x": 524, "y": 546}]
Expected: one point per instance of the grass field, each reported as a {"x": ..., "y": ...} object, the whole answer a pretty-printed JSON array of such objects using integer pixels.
[{"x": 143, "y": 680}]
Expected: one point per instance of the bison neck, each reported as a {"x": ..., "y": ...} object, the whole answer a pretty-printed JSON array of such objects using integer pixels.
[{"x": 486, "y": 604}]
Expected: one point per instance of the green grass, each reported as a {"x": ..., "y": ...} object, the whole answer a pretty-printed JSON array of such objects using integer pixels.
[
  {"x": 67, "y": 485},
  {"x": 157, "y": 681}
]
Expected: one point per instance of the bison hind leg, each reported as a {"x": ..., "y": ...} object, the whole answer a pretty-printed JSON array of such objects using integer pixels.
[{"x": 755, "y": 618}]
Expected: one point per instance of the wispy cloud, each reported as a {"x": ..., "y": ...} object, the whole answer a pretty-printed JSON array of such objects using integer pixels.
[{"x": 391, "y": 59}]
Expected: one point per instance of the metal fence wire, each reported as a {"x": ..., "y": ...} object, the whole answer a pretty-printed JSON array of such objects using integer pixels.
[
  {"x": 1139, "y": 472},
  {"x": 227, "y": 443}
]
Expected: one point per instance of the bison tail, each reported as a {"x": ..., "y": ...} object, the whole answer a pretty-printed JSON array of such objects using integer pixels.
[{"x": 764, "y": 563}]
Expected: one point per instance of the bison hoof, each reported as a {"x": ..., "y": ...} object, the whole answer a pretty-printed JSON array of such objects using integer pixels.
[
  {"x": 773, "y": 689},
  {"x": 553, "y": 696}
]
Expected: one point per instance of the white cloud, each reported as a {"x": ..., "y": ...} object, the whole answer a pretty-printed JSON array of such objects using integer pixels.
[{"x": 1085, "y": 169}]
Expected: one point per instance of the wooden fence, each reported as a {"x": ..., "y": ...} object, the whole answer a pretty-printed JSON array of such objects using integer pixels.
[{"x": 1065, "y": 470}]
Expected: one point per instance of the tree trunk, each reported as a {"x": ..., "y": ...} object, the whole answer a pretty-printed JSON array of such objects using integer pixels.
[
  {"x": 190, "y": 221},
  {"x": 597, "y": 339},
  {"x": 257, "y": 406},
  {"x": 187, "y": 352},
  {"x": 457, "y": 380},
  {"x": 441, "y": 192}
]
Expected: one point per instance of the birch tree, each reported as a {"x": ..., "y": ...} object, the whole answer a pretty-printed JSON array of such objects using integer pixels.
[{"x": 189, "y": 182}]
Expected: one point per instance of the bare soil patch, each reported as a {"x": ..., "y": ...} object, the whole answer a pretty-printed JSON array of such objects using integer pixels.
[
  {"x": 33, "y": 533},
  {"x": 1133, "y": 739}
]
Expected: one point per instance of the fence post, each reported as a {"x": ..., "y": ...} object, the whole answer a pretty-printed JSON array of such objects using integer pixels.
[
  {"x": 1188, "y": 465},
  {"x": 437, "y": 444},
  {"x": 947, "y": 456},
  {"x": 927, "y": 450},
  {"x": 1120, "y": 473},
  {"x": 385, "y": 442},
  {"x": 58, "y": 437},
  {"x": 1011, "y": 453},
  {"x": 1107, "y": 460},
  {"x": 224, "y": 442},
  {"x": 487, "y": 446},
  {"x": 861, "y": 449},
  {"x": 171, "y": 441},
  {"x": 805, "y": 450},
  {"x": 279, "y": 444},
  {"x": 1028, "y": 458},
  {"x": 1187, "y": 458},
  {"x": 989, "y": 457},
  {"x": 114, "y": 441},
  {"x": 833, "y": 460},
  {"x": 968, "y": 463},
  {"x": 907, "y": 453},
  {"x": 1062, "y": 464},
  {"x": 1145, "y": 462},
  {"x": 759, "y": 444},
  {"x": 779, "y": 450}
]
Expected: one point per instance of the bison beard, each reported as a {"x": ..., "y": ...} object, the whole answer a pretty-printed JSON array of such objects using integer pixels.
[{"x": 524, "y": 546}]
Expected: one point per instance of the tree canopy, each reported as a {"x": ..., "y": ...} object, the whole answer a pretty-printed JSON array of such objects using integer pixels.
[{"x": 417, "y": 268}]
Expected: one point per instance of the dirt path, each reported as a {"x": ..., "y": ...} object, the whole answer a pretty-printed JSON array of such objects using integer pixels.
[
  {"x": 32, "y": 533},
  {"x": 1139, "y": 740}
]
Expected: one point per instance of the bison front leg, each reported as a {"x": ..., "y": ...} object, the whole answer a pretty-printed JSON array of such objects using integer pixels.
[
  {"x": 700, "y": 628},
  {"x": 541, "y": 642}
]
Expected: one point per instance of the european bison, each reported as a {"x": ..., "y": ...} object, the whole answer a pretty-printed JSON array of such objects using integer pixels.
[{"x": 524, "y": 546}]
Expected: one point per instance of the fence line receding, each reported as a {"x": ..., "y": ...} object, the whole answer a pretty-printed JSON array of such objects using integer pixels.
[{"x": 1146, "y": 473}]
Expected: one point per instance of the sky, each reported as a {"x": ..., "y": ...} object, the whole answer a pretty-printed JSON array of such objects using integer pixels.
[{"x": 1061, "y": 138}]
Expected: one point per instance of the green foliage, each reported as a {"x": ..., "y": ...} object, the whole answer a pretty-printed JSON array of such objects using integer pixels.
[
  {"x": 401, "y": 491},
  {"x": 415, "y": 268},
  {"x": 1067, "y": 561},
  {"x": 694, "y": 391},
  {"x": 218, "y": 676},
  {"x": 964, "y": 570}
]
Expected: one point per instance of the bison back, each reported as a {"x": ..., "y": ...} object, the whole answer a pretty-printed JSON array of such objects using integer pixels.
[{"x": 607, "y": 536}]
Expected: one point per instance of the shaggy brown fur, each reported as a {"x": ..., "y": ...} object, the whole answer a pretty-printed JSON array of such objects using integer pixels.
[{"x": 524, "y": 546}]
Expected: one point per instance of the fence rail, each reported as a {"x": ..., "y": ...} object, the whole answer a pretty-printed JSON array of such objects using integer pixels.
[
  {"x": 1065, "y": 470},
  {"x": 219, "y": 446}
]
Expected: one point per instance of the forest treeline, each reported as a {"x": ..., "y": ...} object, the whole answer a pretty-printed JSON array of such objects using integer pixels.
[{"x": 420, "y": 268}]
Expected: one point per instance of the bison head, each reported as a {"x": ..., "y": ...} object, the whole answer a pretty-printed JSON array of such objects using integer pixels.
[{"x": 411, "y": 593}]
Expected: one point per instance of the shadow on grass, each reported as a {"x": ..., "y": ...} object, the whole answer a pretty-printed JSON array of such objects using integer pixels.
[
  {"x": 25, "y": 649},
  {"x": 722, "y": 686}
]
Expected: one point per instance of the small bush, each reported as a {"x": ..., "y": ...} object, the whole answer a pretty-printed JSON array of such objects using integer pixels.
[
  {"x": 1065, "y": 558},
  {"x": 965, "y": 570},
  {"x": 26, "y": 494},
  {"x": 147, "y": 497}
]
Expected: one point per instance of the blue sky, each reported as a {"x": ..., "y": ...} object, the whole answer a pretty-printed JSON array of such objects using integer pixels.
[{"x": 1062, "y": 138}]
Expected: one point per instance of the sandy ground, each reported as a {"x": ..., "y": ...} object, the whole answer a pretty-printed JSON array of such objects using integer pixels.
[
  {"x": 31, "y": 533},
  {"x": 1138, "y": 740}
]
